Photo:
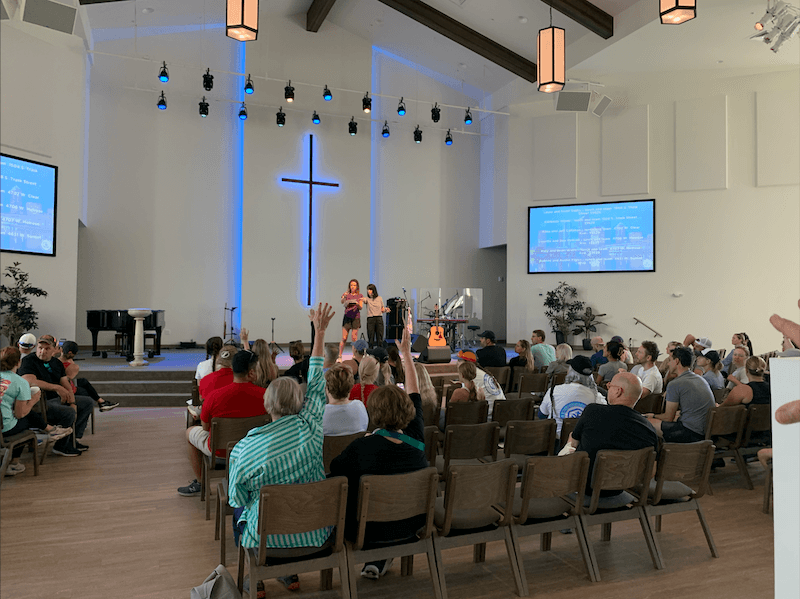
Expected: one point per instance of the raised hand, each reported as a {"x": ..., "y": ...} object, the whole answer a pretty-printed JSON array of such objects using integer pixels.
[
  {"x": 788, "y": 413},
  {"x": 321, "y": 317},
  {"x": 405, "y": 343}
]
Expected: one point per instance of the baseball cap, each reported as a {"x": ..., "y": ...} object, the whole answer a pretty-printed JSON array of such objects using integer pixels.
[
  {"x": 360, "y": 346},
  {"x": 617, "y": 339},
  {"x": 581, "y": 365},
  {"x": 467, "y": 356},
  {"x": 48, "y": 339},
  {"x": 27, "y": 340},
  {"x": 711, "y": 355},
  {"x": 704, "y": 341},
  {"x": 487, "y": 335}
]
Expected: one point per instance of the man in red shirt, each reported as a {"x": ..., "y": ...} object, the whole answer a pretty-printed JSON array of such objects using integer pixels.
[{"x": 240, "y": 399}]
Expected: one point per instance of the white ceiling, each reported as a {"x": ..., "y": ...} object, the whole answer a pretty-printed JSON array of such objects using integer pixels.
[{"x": 718, "y": 38}]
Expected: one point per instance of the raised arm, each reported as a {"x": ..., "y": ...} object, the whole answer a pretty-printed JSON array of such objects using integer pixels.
[
  {"x": 411, "y": 384},
  {"x": 320, "y": 317}
]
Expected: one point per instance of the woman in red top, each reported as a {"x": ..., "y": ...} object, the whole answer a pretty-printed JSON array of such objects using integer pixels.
[
  {"x": 367, "y": 375},
  {"x": 353, "y": 301}
]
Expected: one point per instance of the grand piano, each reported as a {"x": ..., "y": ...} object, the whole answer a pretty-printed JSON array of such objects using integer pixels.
[{"x": 122, "y": 322}]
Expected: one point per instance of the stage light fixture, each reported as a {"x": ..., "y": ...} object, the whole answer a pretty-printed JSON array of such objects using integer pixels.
[
  {"x": 243, "y": 112},
  {"x": 675, "y": 12},
  {"x": 448, "y": 139},
  {"x": 779, "y": 24},
  {"x": 248, "y": 86},
  {"x": 163, "y": 74},
  {"x": 315, "y": 119},
  {"x": 326, "y": 94},
  {"x": 203, "y": 107},
  {"x": 417, "y": 135},
  {"x": 352, "y": 126},
  {"x": 385, "y": 131},
  {"x": 401, "y": 108},
  {"x": 436, "y": 112},
  {"x": 366, "y": 103},
  {"x": 468, "y": 117},
  {"x": 280, "y": 117},
  {"x": 288, "y": 92},
  {"x": 208, "y": 81},
  {"x": 162, "y": 102},
  {"x": 242, "y": 20}
]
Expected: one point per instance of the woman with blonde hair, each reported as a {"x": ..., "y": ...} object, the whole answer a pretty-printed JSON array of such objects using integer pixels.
[
  {"x": 367, "y": 375},
  {"x": 524, "y": 357},
  {"x": 426, "y": 389},
  {"x": 559, "y": 365},
  {"x": 756, "y": 391},
  {"x": 266, "y": 369}
]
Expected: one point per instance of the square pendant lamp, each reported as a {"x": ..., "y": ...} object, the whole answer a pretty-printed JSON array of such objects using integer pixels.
[
  {"x": 551, "y": 60},
  {"x": 675, "y": 12},
  {"x": 242, "y": 20}
]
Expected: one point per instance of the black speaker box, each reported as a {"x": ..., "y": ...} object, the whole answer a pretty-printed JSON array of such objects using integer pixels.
[
  {"x": 419, "y": 344},
  {"x": 438, "y": 355}
]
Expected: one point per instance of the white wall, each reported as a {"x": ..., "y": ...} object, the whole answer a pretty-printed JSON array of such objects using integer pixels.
[
  {"x": 42, "y": 92},
  {"x": 717, "y": 247}
]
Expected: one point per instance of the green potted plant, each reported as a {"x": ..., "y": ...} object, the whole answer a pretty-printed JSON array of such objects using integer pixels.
[
  {"x": 17, "y": 312},
  {"x": 587, "y": 324},
  {"x": 562, "y": 309}
]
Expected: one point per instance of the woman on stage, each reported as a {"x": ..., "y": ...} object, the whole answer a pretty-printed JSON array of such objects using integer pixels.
[
  {"x": 375, "y": 311},
  {"x": 353, "y": 301}
]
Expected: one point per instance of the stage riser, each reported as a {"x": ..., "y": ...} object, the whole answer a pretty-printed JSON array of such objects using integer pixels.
[
  {"x": 129, "y": 373},
  {"x": 143, "y": 387},
  {"x": 145, "y": 400}
]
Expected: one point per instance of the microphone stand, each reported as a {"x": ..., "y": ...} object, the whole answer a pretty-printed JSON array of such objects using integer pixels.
[
  {"x": 225, "y": 322},
  {"x": 272, "y": 343}
]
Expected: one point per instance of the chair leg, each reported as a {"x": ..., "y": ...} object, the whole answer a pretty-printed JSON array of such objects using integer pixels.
[
  {"x": 605, "y": 531},
  {"x": 657, "y": 523},
  {"x": 434, "y": 569},
  {"x": 767, "y": 490},
  {"x": 352, "y": 577},
  {"x": 407, "y": 565},
  {"x": 326, "y": 579},
  {"x": 545, "y": 541},
  {"x": 740, "y": 463},
  {"x": 91, "y": 417},
  {"x": 240, "y": 569},
  {"x": 590, "y": 549},
  {"x": 203, "y": 477},
  {"x": 479, "y": 553},
  {"x": 584, "y": 547},
  {"x": 35, "y": 449},
  {"x": 348, "y": 590},
  {"x": 515, "y": 556},
  {"x": 437, "y": 551},
  {"x": 706, "y": 531},
  {"x": 650, "y": 539}
]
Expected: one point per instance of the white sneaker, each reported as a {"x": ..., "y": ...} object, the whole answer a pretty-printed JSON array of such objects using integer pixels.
[
  {"x": 14, "y": 469},
  {"x": 374, "y": 570}
]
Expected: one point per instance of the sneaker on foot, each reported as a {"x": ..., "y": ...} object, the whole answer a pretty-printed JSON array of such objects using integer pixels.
[
  {"x": 59, "y": 432},
  {"x": 191, "y": 490},
  {"x": 67, "y": 452},
  {"x": 14, "y": 469},
  {"x": 107, "y": 406},
  {"x": 374, "y": 570},
  {"x": 290, "y": 582},
  {"x": 81, "y": 446}
]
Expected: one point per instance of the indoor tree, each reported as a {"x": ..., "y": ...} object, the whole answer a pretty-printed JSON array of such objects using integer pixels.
[{"x": 18, "y": 315}]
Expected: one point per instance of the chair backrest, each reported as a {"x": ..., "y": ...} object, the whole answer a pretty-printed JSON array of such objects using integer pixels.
[
  {"x": 298, "y": 508},
  {"x": 470, "y": 441},
  {"x": 619, "y": 470},
  {"x": 727, "y": 420},
  {"x": 501, "y": 373},
  {"x": 466, "y": 412},
  {"x": 560, "y": 378},
  {"x": 532, "y": 383},
  {"x": 567, "y": 426},
  {"x": 687, "y": 463},
  {"x": 759, "y": 419},
  {"x": 385, "y": 498},
  {"x": 530, "y": 437},
  {"x": 332, "y": 446},
  {"x": 430, "y": 411},
  {"x": 719, "y": 394},
  {"x": 512, "y": 409},
  {"x": 478, "y": 487},
  {"x": 554, "y": 476},
  {"x": 431, "y": 443},
  {"x": 225, "y": 430},
  {"x": 652, "y": 404},
  {"x": 195, "y": 393}
]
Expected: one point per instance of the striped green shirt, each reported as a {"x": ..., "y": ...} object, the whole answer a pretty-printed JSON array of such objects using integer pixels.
[{"x": 286, "y": 451}]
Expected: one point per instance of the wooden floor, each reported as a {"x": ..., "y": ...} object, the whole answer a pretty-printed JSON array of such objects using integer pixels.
[{"x": 109, "y": 524}]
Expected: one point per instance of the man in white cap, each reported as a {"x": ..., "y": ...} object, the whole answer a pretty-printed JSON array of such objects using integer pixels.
[{"x": 26, "y": 344}]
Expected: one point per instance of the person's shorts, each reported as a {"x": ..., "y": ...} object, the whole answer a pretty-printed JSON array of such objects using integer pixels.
[
  {"x": 351, "y": 323},
  {"x": 675, "y": 432},
  {"x": 199, "y": 438}
]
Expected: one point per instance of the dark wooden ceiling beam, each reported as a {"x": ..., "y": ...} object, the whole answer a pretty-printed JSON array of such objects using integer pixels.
[
  {"x": 463, "y": 35},
  {"x": 586, "y": 14},
  {"x": 316, "y": 14}
]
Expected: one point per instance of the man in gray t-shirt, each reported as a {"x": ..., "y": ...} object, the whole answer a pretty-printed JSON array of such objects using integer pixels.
[{"x": 690, "y": 394}]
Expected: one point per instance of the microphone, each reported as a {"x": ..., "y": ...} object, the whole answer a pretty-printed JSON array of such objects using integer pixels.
[{"x": 404, "y": 289}]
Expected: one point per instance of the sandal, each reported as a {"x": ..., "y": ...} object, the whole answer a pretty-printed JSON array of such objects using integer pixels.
[{"x": 290, "y": 582}]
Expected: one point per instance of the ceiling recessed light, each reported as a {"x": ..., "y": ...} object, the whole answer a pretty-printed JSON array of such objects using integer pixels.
[
  {"x": 523, "y": 20},
  {"x": 147, "y": 11},
  {"x": 462, "y": 65}
]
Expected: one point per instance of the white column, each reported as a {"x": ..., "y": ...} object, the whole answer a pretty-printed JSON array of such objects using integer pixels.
[{"x": 138, "y": 336}]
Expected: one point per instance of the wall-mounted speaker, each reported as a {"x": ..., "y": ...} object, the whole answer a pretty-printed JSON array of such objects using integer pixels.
[
  {"x": 51, "y": 15},
  {"x": 573, "y": 101},
  {"x": 602, "y": 106}
]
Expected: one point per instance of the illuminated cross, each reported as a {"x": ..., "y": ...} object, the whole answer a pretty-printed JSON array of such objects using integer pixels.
[{"x": 310, "y": 182}]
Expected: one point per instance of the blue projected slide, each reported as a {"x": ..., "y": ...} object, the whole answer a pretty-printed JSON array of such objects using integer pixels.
[
  {"x": 27, "y": 206},
  {"x": 605, "y": 237}
]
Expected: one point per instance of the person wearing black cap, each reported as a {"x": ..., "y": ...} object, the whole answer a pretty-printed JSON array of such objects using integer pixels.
[
  {"x": 490, "y": 354},
  {"x": 569, "y": 400},
  {"x": 709, "y": 366}
]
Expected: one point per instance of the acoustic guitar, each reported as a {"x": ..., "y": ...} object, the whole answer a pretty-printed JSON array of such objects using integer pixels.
[{"x": 436, "y": 336}]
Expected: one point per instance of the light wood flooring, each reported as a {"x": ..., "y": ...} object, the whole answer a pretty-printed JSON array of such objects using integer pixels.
[{"x": 109, "y": 524}]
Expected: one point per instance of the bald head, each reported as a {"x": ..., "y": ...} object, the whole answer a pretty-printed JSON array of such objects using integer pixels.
[
  {"x": 597, "y": 343},
  {"x": 624, "y": 389}
]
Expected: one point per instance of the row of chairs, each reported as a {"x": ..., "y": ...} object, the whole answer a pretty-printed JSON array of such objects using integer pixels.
[
  {"x": 481, "y": 503},
  {"x": 738, "y": 432}
]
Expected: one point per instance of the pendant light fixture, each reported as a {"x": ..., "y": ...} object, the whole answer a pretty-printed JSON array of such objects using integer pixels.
[
  {"x": 550, "y": 58},
  {"x": 675, "y": 12},
  {"x": 242, "y": 20}
]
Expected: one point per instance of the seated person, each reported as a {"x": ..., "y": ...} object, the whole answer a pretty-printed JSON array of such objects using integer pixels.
[
  {"x": 667, "y": 367},
  {"x": 26, "y": 344},
  {"x": 756, "y": 391},
  {"x": 738, "y": 340},
  {"x": 614, "y": 426},
  {"x": 223, "y": 375},
  {"x": 646, "y": 369},
  {"x": 626, "y": 356},
  {"x": 524, "y": 358},
  {"x": 608, "y": 371},
  {"x": 299, "y": 370},
  {"x": 359, "y": 350},
  {"x": 266, "y": 369},
  {"x": 789, "y": 348},
  {"x": 367, "y": 376},
  {"x": 395, "y": 364},
  {"x": 331, "y": 356},
  {"x": 207, "y": 366},
  {"x": 543, "y": 353},
  {"x": 427, "y": 391},
  {"x": 570, "y": 399},
  {"x": 739, "y": 375},
  {"x": 689, "y": 399},
  {"x": 489, "y": 354},
  {"x": 396, "y": 446},
  {"x": 709, "y": 366},
  {"x": 342, "y": 416},
  {"x": 598, "y": 357},
  {"x": 42, "y": 369},
  {"x": 80, "y": 386},
  {"x": 560, "y": 364},
  {"x": 241, "y": 399},
  {"x": 485, "y": 383},
  {"x": 288, "y": 450}
]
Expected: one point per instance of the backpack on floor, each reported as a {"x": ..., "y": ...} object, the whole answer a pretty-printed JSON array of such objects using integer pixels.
[{"x": 219, "y": 585}]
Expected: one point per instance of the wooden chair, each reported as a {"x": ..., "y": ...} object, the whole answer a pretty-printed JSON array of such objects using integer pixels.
[
  {"x": 681, "y": 479},
  {"x": 386, "y": 498},
  {"x": 468, "y": 444},
  {"x": 502, "y": 374},
  {"x": 525, "y": 438},
  {"x": 223, "y": 507},
  {"x": 767, "y": 490},
  {"x": 24, "y": 438},
  {"x": 530, "y": 384},
  {"x": 466, "y": 412},
  {"x": 540, "y": 507},
  {"x": 625, "y": 471},
  {"x": 190, "y": 419},
  {"x": 222, "y": 432},
  {"x": 332, "y": 446},
  {"x": 719, "y": 394},
  {"x": 652, "y": 404},
  {"x": 511, "y": 409},
  {"x": 431, "y": 412},
  {"x": 560, "y": 378},
  {"x": 469, "y": 513},
  {"x": 5, "y": 459},
  {"x": 725, "y": 427},
  {"x": 759, "y": 424},
  {"x": 431, "y": 443},
  {"x": 567, "y": 426},
  {"x": 295, "y": 509}
]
